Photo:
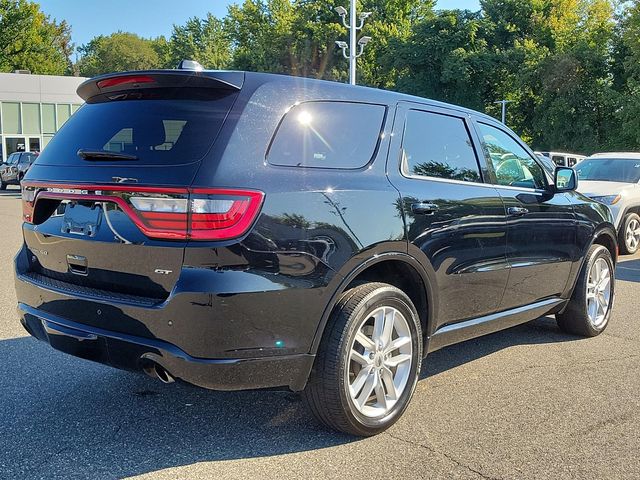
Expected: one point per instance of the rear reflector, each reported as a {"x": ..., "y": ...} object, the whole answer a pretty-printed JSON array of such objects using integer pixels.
[{"x": 172, "y": 213}]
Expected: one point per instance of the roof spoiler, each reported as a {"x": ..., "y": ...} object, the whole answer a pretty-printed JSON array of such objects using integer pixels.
[{"x": 114, "y": 82}]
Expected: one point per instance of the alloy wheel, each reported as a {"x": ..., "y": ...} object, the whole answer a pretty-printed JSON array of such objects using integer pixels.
[
  {"x": 380, "y": 361},
  {"x": 598, "y": 292},
  {"x": 632, "y": 234}
]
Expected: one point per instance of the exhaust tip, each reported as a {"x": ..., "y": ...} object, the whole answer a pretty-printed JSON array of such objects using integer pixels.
[{"x": 156, "y": 371}]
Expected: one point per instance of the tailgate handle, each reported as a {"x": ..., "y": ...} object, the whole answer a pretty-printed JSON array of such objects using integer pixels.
[{"x": 78, "y": 264}]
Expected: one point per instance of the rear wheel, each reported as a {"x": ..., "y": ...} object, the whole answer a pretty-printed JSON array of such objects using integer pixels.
[
  {"x": 368, "y": 361},
  {"x": 590, "y": 306},
  {"x": 630, "y": 234}
]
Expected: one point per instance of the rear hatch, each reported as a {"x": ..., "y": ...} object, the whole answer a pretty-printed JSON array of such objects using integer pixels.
[{"x": 107, "y": 205}]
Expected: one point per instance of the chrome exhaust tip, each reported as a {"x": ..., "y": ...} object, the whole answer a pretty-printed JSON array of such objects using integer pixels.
[{"x": 156, "y": 371}]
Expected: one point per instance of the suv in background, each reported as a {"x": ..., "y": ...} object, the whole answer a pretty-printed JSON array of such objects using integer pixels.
[
  {"x": 613, "y": 179},
  {"x": 241, "y": 230},
  {"x": 12, "y": 172},
  {"x": 563, "y": 159}
]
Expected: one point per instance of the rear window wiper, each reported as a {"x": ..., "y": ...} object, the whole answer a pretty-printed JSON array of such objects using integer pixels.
[{"x": 104, "y": 155}]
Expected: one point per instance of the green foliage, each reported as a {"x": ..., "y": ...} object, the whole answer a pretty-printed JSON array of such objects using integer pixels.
[
  {"x": 571, "y": 68},
  {"x": 204, "y": 40},
  {"x": 282, "y": 36},
  {"x": 629, "y": 112},
  {"x": 31, "y": 40},
  {"x": 118, "y": 52}
]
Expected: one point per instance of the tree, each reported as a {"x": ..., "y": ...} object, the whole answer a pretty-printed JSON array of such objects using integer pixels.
[
  {"x": 120, "y": 51},
  {"x": 30, "y": 40},
  {"x": 204, "y": 40},
  {"x": 629, "y": 112},
  {"x": 446, "y": 58},
  {"x": 294, "y": 37}
]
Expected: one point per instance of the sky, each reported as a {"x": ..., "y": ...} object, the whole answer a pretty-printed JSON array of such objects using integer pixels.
[{"x": 149, "y": 18}]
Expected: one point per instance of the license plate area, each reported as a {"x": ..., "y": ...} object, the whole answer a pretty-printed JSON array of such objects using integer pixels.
[{"x": 81, "y": 218}]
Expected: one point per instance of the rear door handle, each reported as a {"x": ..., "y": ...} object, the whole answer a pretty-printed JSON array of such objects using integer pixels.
[
  {"x": 424, "y": 208},
  {"x": 517, "y": 211}
]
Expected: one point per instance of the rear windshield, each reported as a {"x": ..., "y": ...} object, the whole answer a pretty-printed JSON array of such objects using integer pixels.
[
  {"x": 155, "y": 131},
  {"x": 609, "y": 170}
]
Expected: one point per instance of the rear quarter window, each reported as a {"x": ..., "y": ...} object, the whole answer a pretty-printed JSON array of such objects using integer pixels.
[{"x": 324, "y": 134}]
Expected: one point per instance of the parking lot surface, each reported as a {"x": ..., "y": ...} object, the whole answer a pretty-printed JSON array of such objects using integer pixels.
[{"x": 526, "y": 403}]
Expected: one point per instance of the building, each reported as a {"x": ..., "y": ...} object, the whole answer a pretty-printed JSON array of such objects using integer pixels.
[{"x": 33, "y": 108}]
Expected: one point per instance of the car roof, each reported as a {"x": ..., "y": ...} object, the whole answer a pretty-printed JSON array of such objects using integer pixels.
[
  {"x": 375, "y": 94},
  {"x": 618, "y": 155},
  {"x": 237, "y": 79}
]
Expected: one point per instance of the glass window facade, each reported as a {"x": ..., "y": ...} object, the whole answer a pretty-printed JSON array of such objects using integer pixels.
[
  {"x": 30, "y": 126},
  {"x": 11, "y": 118},
  {"x": 30, "y": 118}
]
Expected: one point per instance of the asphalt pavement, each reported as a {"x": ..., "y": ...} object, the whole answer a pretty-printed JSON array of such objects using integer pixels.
[{"x": 526, "y": 403}]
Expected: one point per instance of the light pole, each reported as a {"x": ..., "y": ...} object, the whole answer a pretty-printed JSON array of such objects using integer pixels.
[
  {"x": 353, "y": 33},
  {"x": 504, "y": 109}
]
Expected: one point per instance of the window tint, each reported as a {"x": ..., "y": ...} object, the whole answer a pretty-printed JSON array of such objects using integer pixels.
[
  {"x": 327, "y": 134},
  {"x": 13, "y": 158},
  {"x": 157, "y": 132},
  {"x": 511, "y": 162},
  {"x": 437, "y": 145}
]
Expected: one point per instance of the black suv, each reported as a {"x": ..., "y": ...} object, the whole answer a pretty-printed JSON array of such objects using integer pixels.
[
  {"x": 13, "y": 171},
  {"x": 241, "y": 230}
]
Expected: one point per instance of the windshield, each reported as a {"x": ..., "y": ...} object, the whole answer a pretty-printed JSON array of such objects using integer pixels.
[
  {"x": 152, "y": 131},
  {"x": 609, "y": 170}
]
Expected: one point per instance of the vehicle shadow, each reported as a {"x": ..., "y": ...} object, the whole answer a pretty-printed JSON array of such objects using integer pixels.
[
  {"x": 66, "y": 417},
  {"x": 628, "y": 271},
  {"x": 541, "y": 331}
]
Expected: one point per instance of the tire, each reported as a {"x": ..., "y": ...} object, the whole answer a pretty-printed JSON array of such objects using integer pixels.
[
  {"x": 329, "y": 393},
  {"x": 629, "y": 236},
  {"x": 580, "y": 318}
]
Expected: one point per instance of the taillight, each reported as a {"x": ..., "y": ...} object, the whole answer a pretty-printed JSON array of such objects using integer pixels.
[
  {"x": 28, "y": 194},
  {"x": 172, "y": 213},
  {"x": 222, "y": 214}
]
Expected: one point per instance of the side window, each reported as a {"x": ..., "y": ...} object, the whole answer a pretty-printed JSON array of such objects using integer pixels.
[
  {"x": 436, "y": 145},
  {"x": 327, "y": 135},
  {"x": 511, "y": 162}
]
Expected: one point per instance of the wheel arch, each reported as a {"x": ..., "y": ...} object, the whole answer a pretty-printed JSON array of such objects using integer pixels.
[
  {"x": 606, "y": 236},
  {"x": 395, "y": 268}
]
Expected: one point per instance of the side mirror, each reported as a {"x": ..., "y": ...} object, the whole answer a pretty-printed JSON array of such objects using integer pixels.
[{"x": 565, "y": 179}]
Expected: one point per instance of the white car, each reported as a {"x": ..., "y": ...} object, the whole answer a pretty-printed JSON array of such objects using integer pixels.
[{"x": 612, "y": 179}]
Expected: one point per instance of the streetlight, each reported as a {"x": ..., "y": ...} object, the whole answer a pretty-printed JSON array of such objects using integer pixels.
[
  {"x": 353, "y": 31},
  {"x": 504, "y": 109}
]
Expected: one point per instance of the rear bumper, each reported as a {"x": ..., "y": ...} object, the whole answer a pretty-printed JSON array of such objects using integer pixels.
[{"x": 135, "y": 353}]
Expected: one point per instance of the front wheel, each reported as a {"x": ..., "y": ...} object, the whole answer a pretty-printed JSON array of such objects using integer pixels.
[
  {"x": 630, "y": 234},
  {"x": 589, "y": 309},
  {"x": 368, "y": 361}
]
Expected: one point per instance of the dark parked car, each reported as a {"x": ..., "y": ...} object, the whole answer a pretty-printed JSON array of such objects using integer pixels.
[
  {"x": 240, "y": 230},
  {"x": 13, "y": 171}
]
